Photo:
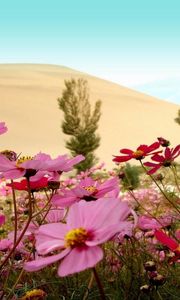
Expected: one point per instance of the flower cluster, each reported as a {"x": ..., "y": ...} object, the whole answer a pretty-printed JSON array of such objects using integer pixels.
[{"x": 66, "y": 226}]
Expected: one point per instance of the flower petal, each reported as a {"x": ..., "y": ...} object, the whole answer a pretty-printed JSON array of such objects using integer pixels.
[
  {"x": 79, "y": 259},
  {"x": 54, "y": 230},
  {"x": 121, "y": 158},
  {"x": 65, "y": 201},
  {"x": 105, "y": 234},
  {"x": 40, "y": 263},
  {"x": 89, "y": 214},
  {"x": 126, "y": 151},
  {"x": 166, "y": 240}
]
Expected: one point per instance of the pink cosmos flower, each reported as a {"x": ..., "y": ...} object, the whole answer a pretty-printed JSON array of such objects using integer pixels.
[
  {"x": 3, "y": 128},
  {"x": 5, "y": 244},
  {"x": 37, "y": 167},
  {"x": 55, "y": 215},
  {"x": 163, "y": 160},
  {"x": 55, "y": 167},
  {"x": 88, "y": 189},
  {"x": 138, "y": 154},
  {"x": 2, "y": 219},
  {"x": 19, "y": 168},
  {"x": 89, "y": 224},
  {"x": 149, "y": 223}
]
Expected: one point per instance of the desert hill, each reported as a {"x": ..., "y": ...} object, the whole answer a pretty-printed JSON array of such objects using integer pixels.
[{"x": 28, "y": 105}]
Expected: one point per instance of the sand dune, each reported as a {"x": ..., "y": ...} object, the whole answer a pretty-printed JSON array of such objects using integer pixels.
[{"x": 28, "y": 105}]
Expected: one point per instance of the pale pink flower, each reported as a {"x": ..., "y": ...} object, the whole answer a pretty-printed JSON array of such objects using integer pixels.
[
  {"x": 3, "y": 128},
  {"x": 37, "y": 167},
  {"x": 148, "y": 223},
  {"x": 55, "y": 215},
  {"x": 5, "y": 244},
  {"x": 88, "y": 189},
  {"x": 89, "y": 224},
  {"x": 17, "y": 169},
  {"x": 55, "y": 167}
]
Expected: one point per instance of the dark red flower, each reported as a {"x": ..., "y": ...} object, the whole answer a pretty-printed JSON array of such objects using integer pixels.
[
  {"x": 34, "y": 185},
  {"x": 163, "y": 160},
  {"x": 139, "y": 153}
]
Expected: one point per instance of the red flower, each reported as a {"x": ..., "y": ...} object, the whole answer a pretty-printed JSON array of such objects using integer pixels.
[
  {"x": 165, "y": 161},
  {"x": 139, "y": 153},
  {"x": 172, "y": 244},
  {"x": 34, "y": 185}
]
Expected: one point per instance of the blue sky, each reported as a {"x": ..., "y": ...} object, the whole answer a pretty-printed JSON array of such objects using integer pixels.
[{"x": 132, "y": 42}]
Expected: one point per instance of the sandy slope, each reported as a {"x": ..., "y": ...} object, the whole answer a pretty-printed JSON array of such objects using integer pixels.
[{"x": 28, "y": 104}]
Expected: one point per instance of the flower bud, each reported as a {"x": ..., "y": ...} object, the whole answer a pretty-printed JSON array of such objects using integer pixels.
[
  {"x": 145, "y": 288},
  {"x": 163, "y": 142},
  {"x": 150, "y": 266},
  {"x": 54, "y": 185},
  {"x": 157, "y": 280}
]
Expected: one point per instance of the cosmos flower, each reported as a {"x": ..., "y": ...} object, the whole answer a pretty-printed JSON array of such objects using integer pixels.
[
  {"x": 25, "y": 166},
  {"x": 55, "y": 215},
  {"x": 36, "y": 167},
  {"x": 54, "y": 167},
  {"x": 165, "y": 160},
  {"x": 34, "y": 185},
  {"x": 88, "y": 189},
  {"x": 89, "y": 224},
  {"x": 138, "y": 154}
]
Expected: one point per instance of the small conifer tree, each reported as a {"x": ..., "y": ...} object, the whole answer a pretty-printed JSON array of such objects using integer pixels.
[
  {"x": 79, "y": 122},
  {"x": 177, "y": 120}
]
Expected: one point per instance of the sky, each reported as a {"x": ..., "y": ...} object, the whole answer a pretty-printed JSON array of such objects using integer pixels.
[{"x": 135, "y": 43}]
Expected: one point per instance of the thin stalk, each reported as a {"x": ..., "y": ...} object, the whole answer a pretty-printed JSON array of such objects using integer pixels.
[
  {"x": 23, "y": 231},
  {"x": 89, "y": 286},
  {"x": 15, "y": 213},
  {"x": 159, "y": 187},
  {"x": 173, "y": 169},
  {"x": 132, "y": 194},
  {"x": 99, "y": 284},
  {"x": 45, "y": 206}
]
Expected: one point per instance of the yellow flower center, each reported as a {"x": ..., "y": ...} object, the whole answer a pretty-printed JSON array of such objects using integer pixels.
[
  {"x": 138, "y": 154},
  {"x": 76, "y": 237},
  {"x": 35, "y": 294},
  {"x": 22, "y": 159},
  {"x": 91, "y": 189}
]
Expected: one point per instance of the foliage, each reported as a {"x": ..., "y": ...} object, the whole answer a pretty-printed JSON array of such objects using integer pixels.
[
  {"x": 79, "y": 122},
  {"x": 177, "y": 119},
  {"x": 130, "y": 177}
]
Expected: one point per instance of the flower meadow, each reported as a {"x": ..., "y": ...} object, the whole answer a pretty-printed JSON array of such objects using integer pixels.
[{"x": 98, "y": 234}]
